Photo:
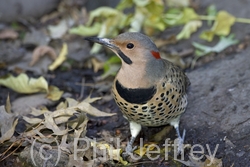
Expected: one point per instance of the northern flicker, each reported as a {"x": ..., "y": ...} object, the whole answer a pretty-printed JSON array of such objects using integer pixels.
[{"x": 150, "y": 91}]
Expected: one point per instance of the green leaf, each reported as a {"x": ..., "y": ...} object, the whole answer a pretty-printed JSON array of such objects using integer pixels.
[
  {"x": 124, "y": 4},
  {"x": 211, "y": 11},
  {"x": 24, "y": 84},
  {"x": 86, "y": 31},
  {"x": 112, "y": 60},
  {"x": 177, "y": 17},
  {"x": 188, "y": 29},
  {"x": 224, "y": 42}
]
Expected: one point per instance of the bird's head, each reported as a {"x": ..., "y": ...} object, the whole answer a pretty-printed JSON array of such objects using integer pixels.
[{"x": 131, "y": 47}]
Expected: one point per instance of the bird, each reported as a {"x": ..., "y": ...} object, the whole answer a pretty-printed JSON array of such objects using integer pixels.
[{"x": 149, "y": 90}]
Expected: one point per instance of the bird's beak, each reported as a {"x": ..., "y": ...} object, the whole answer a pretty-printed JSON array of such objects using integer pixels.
[
  {"x": 110, "y": 44},
  {"x": 103, "y": 41}
]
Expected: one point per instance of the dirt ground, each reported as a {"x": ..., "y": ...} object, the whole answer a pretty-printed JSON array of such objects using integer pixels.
[{"x": 218, "y": 111}]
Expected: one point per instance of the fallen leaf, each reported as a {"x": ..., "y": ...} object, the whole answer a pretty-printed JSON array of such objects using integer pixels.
[
  {"x": 161, "y": 42},
  {"x": 97, "y": 65},
  {"x": 26, "y": 104},
  {"x": 8, "y": 34},
  {"x": 86, "y": 31},
  {"x": 87, "y": 108},
  {"x": 188, "y": 29},
  {"x": 6, "y": 120},
  {"x": 23, "y": 84},
  {"x": 111, "y": 66},
  {"x": 222, "y": 26},
  {"x": 32, "y": 120},
  {"x": 8, "y": 105},
  {"x": 213, "y": 162},
  {"x": 178, "y": 3},
  {"x": 61, "y": 58},
  {"x": 50, "y": 124},
  {"x": 143, "y": 150},
  {"x": 23, "y": 64},
  {"x": 58, "y": 30},
  {"x": 211, "y": 12},
  {"x": 193, "y": 161},
  {"x": 176, "y": 16},
  {"x": 54, "y": 93},
  {"x": 224, "y": 42},
  {"x": 8, "y": 134},
  {"x": 37, "y": 112},
  {"x": 41, "y": 51}
]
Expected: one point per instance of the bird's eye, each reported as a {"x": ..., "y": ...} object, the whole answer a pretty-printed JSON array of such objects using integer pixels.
[{"x": 130, "y": 45}]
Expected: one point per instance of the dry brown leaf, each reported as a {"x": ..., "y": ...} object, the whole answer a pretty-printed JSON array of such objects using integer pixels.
[
  {"x": 97, "y": 65},
  {"x": 193, "y": 161},
  {"x": 86, "y": 107},
  {"x": 64, "y": 145},
  {"x": 50, "y": 124},
  {"x": 212, "y": 162},
  {"x": 32, "y": 120},
  {"x": 41, "y": 51},
  {"x": 9, "y": 133},
  {"x": 162, "y": 42},
  {"x": 8, "y": 34},
  {"x": 36, "y": 112}
]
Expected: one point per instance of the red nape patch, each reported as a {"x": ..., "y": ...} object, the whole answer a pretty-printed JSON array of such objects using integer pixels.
[{"x": 156, "y": 54}]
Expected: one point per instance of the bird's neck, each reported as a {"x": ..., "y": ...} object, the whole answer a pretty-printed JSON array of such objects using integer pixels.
[{"x": 138, "y": 76}]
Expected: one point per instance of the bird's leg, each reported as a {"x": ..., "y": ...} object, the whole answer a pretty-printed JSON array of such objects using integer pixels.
[
  {"x": 180, "y": 139},
  {"x": 175, "y": 123},
  {"x": 135, "y": 129}
]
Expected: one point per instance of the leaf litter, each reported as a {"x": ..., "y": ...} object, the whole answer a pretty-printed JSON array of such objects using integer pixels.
[{"x": 69, "y": 121}]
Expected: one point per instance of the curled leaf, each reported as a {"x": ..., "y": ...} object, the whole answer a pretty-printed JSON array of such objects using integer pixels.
[
  {"x": 61, "y": 58},
  {"x": 8, "y": 34},
  {"x": 188, "y": 29},
  {"x": 41, "y": 51}
]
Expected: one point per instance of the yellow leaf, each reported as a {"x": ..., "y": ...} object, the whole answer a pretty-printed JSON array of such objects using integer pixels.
[
  {"x": 223, "y": 23},
  {"x": 23, "y": 84},
  {"x": 142, "y": 151},
  {"x": 188, "y": 29},
  {"x": 8, "y": 105},
  {"x": 54, "y": 93},
  {"x": 61, "y": 58},
  {"x": 222, "y": 26},
  {"x": 207, "y": 35}
]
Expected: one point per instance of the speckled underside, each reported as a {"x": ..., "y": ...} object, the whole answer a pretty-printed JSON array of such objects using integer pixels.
[{"x": 169, "y": 101}]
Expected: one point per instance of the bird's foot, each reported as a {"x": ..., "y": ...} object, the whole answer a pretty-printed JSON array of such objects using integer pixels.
[
  {"x": 180, "y": 146},
  {"x": 128, "y": 151}
]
